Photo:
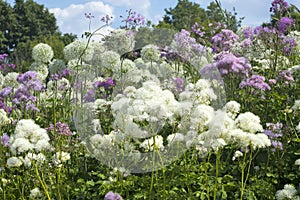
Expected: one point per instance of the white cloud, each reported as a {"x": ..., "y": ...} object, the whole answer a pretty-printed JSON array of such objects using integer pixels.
[{"x": 72, "y": 19}]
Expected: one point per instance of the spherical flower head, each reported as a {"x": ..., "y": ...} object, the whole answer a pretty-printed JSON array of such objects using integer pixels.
[
  {"x": 112, "y": 196},
  {"x": 232, "y": 108},
  {"x": 78, "y": 50},
  {"x": 288, "y": 192},
  {"x": 110, "y": 60},
  {"x": 41, "y": 69},
  {"x": 42, "y": 53},
  {"x": 4, "y": 120},
  {"x": 150, "y": 53},
  {"x": 14, "y": 162},
  {"x": 120, "y": 41},
  {"x": 10, "y": 80}
]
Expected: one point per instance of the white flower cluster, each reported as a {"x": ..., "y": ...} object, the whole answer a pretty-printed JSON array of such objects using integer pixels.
[
  {"x": 18, "y": 161},
  {"x": 298, "y": 127},
  {"x": 61, "y": 86},
  {"x": 10, "y": 79},
  {"x": 199, "y": 93},
  {"x": 35, "y": 193},
  {"x": 296, "y": 105},
  {"x": 60, "y": 157},
  {"x": 1, "y": 80},
  {"x": 148, "y": 104},
  {"x": 78, "y": 50},
  {"x": 211, "y": 129},
  {"x": 4, "y": 120},
  {"x": 288, "y": 192},
  {"x": 153, "y": 143},
  {"x": 120, "y": 41},
  {"x": 150, "y": 53},
  {"x": 28, "y": 136},
  {"x": 41, "y": 69},
  {"x": 42, "y": 53}
]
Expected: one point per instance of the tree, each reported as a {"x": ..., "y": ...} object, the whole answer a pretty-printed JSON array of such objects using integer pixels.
[
  {"x": 183, "y": 16},
  {"x": 8, "y": 27},
  {"x": 186, "y": 13}
]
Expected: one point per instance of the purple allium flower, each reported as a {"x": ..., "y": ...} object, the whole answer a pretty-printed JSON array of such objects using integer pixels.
[
  {"x": 30, "y": 80},
  {"x": 112, "y": 196},
  {"x": 285, "y": 23},
  {"x": 256, "y": 82},
  {"x": 229, "y": 63},
  {"x": 23, "y": 95},
  {"x": 5, "y": 140},
  {"x": 5, "y": 92}
]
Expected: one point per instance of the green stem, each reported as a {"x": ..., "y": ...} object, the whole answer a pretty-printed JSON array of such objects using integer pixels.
[
  {"x": 217, "y": 173},
  {"x": 42, "y": 182}
]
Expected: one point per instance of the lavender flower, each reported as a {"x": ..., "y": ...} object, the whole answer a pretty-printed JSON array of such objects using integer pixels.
[
  {"x": 112, "y": 196},
  {"x": 30, "y": 80},
  {"x": 90, "y": 96},
  {"x": 285, "y": 76},
  {"x": 5, "y": 140},
  {"x": 61, "y": 129},
  {"x": 224, "y": 41},
  {"x": 274, "y": 133},
  {"x": 5, "y": 92},
  {"x": 229, "y": 63},
  {"x": 256, "y": 82}
]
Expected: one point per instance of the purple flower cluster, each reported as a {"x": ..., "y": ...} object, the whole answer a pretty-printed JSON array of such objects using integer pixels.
[
  {"x": 187, "y": 46},
  {"x": 65, "y": 73},
  {"x": 285, "y": 23},
  {"x": 5, "y": 140},
  {"x": 285, "y": 76},
  {"x": 102, "y": 89},
  {"x": 229, "y": 63},
  {"x": 224, "y": 41},
  {"x": 134, "y": 19},
  {"x": 256, "y": 82},
  {"x": 60, "y": 128},
  {"x": 5, "y": 92},
  {"x": 274, "y": 132},
  {"x": 4, "y": 107},
  {"x": 112, "y": 196},
  {"x": 106, "y": 19},
  {"x": 30, "y": 80},
  {"x": 195, "y": 29},
  {"x": 6, "y": 67},
  {"x": 288, "y": 45},
  {"x": 279, "y": 6}
]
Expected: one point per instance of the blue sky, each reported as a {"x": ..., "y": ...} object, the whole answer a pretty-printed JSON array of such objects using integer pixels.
[{"x": 70, "y": 13}]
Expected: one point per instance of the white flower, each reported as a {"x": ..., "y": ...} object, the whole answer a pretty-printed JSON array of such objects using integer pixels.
[
  {"x": 153, "y": 143},
  {"x": 4, "y": 120},
  {"x": 127, "y": 65},
  {"x": 10, "y": 79},
  {"x": 41, "y": 69},
  {"x": 120, "y": 41},
  {"x": 237, "y": 154},
  {"x": 150, "y": 53},
  {"x": 42, "y": 53},
  {"x": 14, "y": 162},
  {"x": 232, "y": 108},
  {"x": 298, "y": 127},
  {"x": 288, "y": 192},
  {"x": 35, "y": 193},
  {"x": 297, "y": 162},
  {"x": 249, "y": 122},
  {"x": 61, "y": 157},
  {"x": 78, "y": 50},
  {"x": 29, "y": 136},
  {"x": 175, "y": 138},
  {"x": 1, "y": 80},
  {"x": 296, "y": 105},
  {"x": 110, "y": 60}
]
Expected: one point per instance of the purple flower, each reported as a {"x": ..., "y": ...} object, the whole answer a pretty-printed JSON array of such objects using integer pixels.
[
  {"x": 224, "y": 41},
  {"x": 285, "y": 23},
  {"x": 274, "y": 133},
  {"x": 229, "y": 63},
  {"x": 90, "y": 96},
  {"x": 279, "y": 6},
  {"x": 5, "y": 92},
  {"x": 179, "y": 83},
  {"x": 112, "y": 196},
  {"x": 61, "y": 129},
  {"x": 285, "y": 76},
  {"x": 256, "y": 82},
  {"x": 5, "y": 140}
]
